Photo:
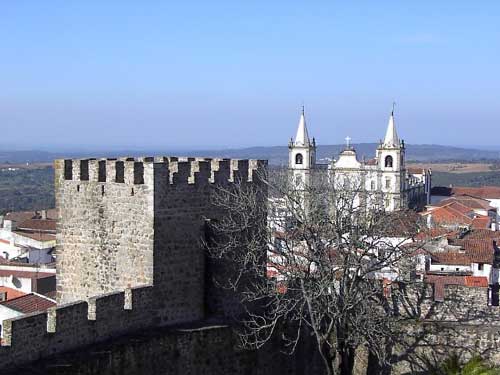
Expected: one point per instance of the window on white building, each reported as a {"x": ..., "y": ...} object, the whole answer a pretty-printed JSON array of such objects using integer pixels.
[
  {"x": 387, "y": 182},
  {"x": 480, "y": 266},
  {"x": 372, "y": 185}
]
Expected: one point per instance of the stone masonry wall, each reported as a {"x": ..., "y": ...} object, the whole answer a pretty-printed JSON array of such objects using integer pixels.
[
  {"x": 129, "y": 253},
  {"x": 461, "y": 323},
  {"x": 105, "y": 228},
  {"x": 177, "y": 351}
]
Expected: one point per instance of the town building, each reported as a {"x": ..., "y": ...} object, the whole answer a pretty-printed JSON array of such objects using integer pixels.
[
  {"x": 23, "y": 305},
  {"x": 27, "y": 278},
  {"x": 28, "y": 236},
  {"x": 385, "y": 178},
  {"x": 484, "y": 200}
]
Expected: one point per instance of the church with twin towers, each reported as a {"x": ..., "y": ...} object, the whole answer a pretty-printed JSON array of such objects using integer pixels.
[{"x": 385, "y": 176}]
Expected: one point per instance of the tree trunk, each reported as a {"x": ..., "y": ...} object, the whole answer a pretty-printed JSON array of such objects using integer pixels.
[
  {"x": 346, "y": 360},
  {"x": 328, "y": 360},
  {"x": 374, "y": 367}
]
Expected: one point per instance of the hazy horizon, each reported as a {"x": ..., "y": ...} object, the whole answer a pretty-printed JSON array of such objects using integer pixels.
[
  {"x": 222, "y": 74},
  {"x": 138, "y": 148}
]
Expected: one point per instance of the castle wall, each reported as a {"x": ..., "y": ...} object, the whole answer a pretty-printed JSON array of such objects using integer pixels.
[
  {"x": 105, "y": 228},
  {"x": 180, "y": 351},
  {"x": 130, "y": 254},
  {"x": 132, "y": 222}
]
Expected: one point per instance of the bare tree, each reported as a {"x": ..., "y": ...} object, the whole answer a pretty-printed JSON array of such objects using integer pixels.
[{"x": 321, "y": 265}]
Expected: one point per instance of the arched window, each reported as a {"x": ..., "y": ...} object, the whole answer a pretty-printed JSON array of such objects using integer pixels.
[
  {"x": 298, "y": 159},
  {"x": 388, "y": 161}
]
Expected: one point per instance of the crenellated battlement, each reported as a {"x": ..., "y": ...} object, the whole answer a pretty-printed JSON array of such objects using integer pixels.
[
  {"x": 76, "y": 325},
  {"x": 130, "y": 251},
  {"x": 140, "y": 170}
]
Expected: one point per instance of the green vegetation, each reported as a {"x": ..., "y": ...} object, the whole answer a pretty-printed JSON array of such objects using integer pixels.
[
  {"x": 475, "y": 366},
  {"x": 466, "y": 179},
  {"x": 26, "y": 189}
]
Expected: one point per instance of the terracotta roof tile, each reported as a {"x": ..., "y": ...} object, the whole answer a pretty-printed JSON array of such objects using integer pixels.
[
  {"x": 11, "y": 293},
  {"x": 29, "y": 303},
  {"x": 488, "y": 192},
  {"x": 482, "y": 234},
  {"x": 20, "y": 216},
  {"x": 470, "y": 202},
  {"x": 429, "y": 233},
  {"x": 37, "y": 225},
  {"x": 452, "y": 258},
  {"x": 483, "y": 222},
  {"x": 480, "y": 251},
  {"x": 477, "y": 281},
  {"x": 415, "y": 170},
  {"x": 448, "y": 215}
]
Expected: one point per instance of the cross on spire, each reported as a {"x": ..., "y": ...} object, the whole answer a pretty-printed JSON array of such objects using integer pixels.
[
  {"x": 348, "y": 141},
  {"x": 393, "y": 105}
]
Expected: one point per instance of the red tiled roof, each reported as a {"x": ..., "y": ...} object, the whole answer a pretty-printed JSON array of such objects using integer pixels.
[
  {"x": 29, "y": 303},
  {"x": 20, "y": 216},
  {"x": 480, "y": 251},
  {"x": 477, "y": 281},
  {"x": 490, "y": 192},
  {"x": 415, "y": 170},
  {"x": 458, "y": 206},
  {"x": 448, "y": 215},
  {"x": 371, "y": 161},
  {"x": 429, "y": 233},
  {"x": 11, "y": 293},
  {"x": 468, "y": 201},
  {"x": 451, "y": 257},
  {"x": 440, "y": 281},
  {"x": 445, "y": 279},
  {"x": 482, "y": 234},
  {"x": 483, "y": 222},
  {"x": 37, "y": 225}
]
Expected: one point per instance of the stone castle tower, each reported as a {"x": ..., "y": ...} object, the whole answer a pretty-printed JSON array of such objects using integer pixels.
[{"x": 133, "y": 222}]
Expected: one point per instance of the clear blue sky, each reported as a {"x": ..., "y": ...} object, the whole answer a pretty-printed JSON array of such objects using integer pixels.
[{"x": 182, "y": 74}]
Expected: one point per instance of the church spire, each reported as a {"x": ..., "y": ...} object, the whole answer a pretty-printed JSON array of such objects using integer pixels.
[
  {"x": 302, "y": 137},
  {"x": 391, "y": 137}
]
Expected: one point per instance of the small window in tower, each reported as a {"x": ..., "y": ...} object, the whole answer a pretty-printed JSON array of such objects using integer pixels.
[
  {"x": 387, "y": 183},
  {"x": 373, "y": 185},
  {"x": 388, "y": 161},
  {"x": 298, "y": 159}
]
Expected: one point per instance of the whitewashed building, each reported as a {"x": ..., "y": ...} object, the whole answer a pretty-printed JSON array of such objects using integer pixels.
[{"x": 385, "y": 176}]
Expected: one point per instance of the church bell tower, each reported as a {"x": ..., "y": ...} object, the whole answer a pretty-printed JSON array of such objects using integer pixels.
[
  {"x": 301, "y": 154},
  {"x": 391, "y": 163}
]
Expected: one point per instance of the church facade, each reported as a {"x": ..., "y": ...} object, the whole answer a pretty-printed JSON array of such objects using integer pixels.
[{"x": 385, "y": 178}]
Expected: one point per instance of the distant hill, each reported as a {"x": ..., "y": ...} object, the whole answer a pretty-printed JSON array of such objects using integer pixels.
[
  {"x": 33, "y": 189},
  {"x": 424, "y": 153},
  {"x": 275, "y": 154}
]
